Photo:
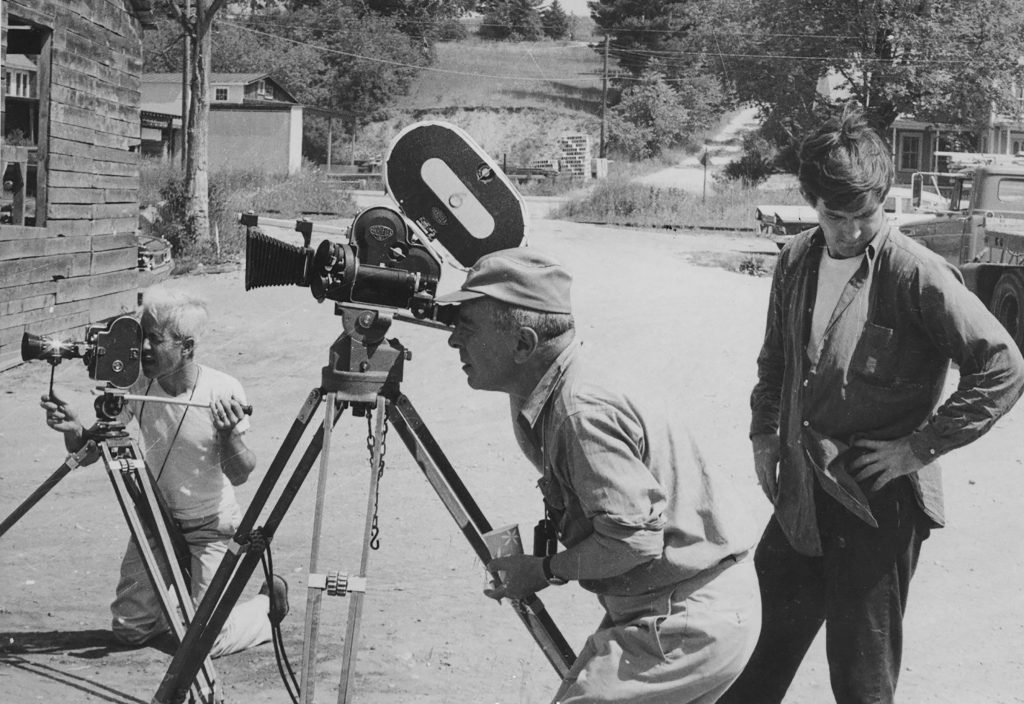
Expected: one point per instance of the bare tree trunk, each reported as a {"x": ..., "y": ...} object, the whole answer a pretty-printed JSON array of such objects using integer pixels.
[{"x": 197, "y": 181}]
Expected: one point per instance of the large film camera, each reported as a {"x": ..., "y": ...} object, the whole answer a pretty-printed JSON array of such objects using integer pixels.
[
  {"x": 448, "y": 190},
  {"x": 111, "y": 350}
]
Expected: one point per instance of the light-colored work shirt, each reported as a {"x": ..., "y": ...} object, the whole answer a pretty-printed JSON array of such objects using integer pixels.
[
  {"x": 632, "y": 478},
  {"x": 181, "y": 447}
]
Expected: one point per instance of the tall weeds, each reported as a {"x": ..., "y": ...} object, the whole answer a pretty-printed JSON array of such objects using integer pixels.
[{"x": 621, "y": 202}]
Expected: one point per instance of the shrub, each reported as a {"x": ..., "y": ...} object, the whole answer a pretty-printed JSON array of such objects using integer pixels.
[
  {"x": 164, "y": 198},
  {"x": 650, "y": 118},
  {"x": 756, "y": 164}
]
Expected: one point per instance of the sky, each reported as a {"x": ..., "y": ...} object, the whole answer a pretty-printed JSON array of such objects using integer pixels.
[{"x": 576, "y": 7}]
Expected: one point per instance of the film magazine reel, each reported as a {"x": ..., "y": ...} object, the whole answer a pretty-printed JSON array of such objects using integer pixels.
[{"x": 451, "y": 193}]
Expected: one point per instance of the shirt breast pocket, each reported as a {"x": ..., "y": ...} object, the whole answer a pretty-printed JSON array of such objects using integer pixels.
[{"x": 875, "y": 359}]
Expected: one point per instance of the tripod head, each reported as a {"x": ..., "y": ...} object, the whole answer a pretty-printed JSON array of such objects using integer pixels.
[{"x": 362, "y": 362}]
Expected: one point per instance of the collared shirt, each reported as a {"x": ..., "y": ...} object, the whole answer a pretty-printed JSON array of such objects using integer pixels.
[
  {"x": 901, "y": 318},
  {"x": 631, "y": 478}
]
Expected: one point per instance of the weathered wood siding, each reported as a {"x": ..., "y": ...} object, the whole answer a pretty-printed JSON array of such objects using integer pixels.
[{"x": 80, "y": 265}]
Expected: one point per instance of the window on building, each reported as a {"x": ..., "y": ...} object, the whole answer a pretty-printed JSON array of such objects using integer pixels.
[
  {"x": 220, "y": 94},
  {"x": 910, "y": 152},
  {"x": 26, "y": 59},
  {"x": 261, "y": 88}
]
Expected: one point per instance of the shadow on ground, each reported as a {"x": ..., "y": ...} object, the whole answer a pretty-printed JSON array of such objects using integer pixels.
[{"x": 87, "y": 645}]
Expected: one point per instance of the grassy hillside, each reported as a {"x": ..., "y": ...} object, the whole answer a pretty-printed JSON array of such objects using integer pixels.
[
  {"x": 559, "y": 76},
  {"x": 515, "y": 99}
]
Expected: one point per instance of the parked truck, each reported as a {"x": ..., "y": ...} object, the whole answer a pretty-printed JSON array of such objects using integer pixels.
[{"x": 981, "y": 231}]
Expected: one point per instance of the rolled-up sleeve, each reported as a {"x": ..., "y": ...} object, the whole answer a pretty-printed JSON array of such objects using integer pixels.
[{"x": 603, "y": 453}]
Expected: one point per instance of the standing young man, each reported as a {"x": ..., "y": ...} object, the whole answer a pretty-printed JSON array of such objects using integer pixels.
[
  {"x": 647, "y": 526},
  {"x": 847, "y": 425},
  {"x": 196, "y": 457}
]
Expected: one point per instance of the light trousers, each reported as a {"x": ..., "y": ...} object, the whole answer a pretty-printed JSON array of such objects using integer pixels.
[
  {"x": 136, "y": 610},
  {"x": 682, "y": 645}
]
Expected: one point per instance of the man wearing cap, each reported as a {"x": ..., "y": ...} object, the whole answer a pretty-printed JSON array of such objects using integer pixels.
[{"x": 646, "y": 526}]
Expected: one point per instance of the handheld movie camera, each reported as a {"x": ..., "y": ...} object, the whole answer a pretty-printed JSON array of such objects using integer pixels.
[{"x": 111, "y": 350}]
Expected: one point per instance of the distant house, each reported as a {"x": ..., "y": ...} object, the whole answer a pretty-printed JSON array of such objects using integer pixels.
[
  {"x": 69, "y": 122},
  {"x": 917, "y": 143},
  {"x": 254, "y": 122}
]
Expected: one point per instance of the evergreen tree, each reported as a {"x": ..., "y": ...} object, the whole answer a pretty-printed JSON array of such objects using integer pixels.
[
  {"x": 554, "y": 21},
  {"x": 518, "y": 20}
]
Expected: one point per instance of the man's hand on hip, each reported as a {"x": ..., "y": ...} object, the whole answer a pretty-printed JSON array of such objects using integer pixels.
[
  {"x": 884, "y": 460},
  {"x": 521, "y": 576},
  {"x": 766, "y": 463}
]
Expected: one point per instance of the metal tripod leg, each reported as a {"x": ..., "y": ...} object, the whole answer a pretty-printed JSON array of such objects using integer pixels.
[
  {"x": 138, "y": 497},
  {"x": 460, "y": 504},
  {"x": 239, "y": 563}
]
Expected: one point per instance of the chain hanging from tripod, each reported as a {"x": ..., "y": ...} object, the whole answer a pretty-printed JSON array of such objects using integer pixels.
[{"x": 379, "y": 469}]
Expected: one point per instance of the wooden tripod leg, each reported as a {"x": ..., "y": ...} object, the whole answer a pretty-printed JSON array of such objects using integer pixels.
[
  {"x": 311, "y": 630},
  {"x": 72, "y": 462},
  {"x": 130, "y": 480},
  {"x": 355, "y": 604},
  {"x": 239, "y": 562},
  {"x": 460, "y": 504}
]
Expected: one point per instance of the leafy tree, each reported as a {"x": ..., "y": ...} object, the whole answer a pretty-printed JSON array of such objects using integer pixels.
[
  {"x": 946, "y": 61},
  {"x": 518, "y": 20},
  {"x": 554, "y": 21},
  {"x": 650, "y": 118},
  {"x": 195, "y": 28}
]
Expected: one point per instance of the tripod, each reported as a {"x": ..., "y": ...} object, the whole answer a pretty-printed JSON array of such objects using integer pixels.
[
  {"x": 149, "y": 521},
  {"x": 363, "y": 375}
]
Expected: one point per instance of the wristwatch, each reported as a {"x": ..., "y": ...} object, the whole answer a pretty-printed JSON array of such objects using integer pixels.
[{"x": 553, "y": 579}]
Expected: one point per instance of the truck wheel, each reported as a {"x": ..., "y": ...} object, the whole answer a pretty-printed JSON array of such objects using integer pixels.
[{"x": 1008, "y": 304}]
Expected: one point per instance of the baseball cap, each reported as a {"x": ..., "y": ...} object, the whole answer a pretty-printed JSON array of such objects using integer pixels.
[{"x": 520, "y": 276}]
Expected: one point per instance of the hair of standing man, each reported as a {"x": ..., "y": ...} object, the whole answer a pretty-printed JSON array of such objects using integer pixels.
[
  {"x": 184, "y": 315},
  {"x": 844, "y": 162}
]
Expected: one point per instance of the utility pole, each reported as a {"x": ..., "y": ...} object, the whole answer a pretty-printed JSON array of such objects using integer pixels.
[{"x": 604, "y": 97}]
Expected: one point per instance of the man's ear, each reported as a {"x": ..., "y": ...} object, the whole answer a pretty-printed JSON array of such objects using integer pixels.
[
  {"x": 811, "y": 200},
  {"x": 527, "y": 342},
  {"x": 188, "y": 346}
]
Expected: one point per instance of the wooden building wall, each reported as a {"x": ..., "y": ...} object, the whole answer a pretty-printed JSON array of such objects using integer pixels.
[{"x": 78, "y": 263}]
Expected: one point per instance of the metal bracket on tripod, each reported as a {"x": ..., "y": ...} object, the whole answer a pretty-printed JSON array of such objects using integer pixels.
[{"x": 365, "y": 370}]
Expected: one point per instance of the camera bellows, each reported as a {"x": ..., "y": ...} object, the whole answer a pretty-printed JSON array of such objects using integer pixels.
[{"x": 271, "y": 262}]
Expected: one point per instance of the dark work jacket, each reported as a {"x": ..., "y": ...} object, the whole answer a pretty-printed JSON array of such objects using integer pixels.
[{"x": 903, "y": 316}]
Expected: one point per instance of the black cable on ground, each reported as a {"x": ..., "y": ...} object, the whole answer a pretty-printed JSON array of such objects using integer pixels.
[{"x": 284, "y": 666}]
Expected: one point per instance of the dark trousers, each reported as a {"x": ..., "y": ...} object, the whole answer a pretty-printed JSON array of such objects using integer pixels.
[{"x": 858, "y": 588}]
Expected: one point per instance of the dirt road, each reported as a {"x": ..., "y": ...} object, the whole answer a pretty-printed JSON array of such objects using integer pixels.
[{"x": 428, "y": 635}]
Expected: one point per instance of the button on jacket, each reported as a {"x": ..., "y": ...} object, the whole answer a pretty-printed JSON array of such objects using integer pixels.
[
  {"x": 880, "y": 374},
  {"x": 631, "y": 478}
]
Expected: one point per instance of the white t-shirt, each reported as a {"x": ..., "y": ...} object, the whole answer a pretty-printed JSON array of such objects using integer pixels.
[
  {"x": 833, "y": 275},
  {"x": 180, "y": 444}
]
